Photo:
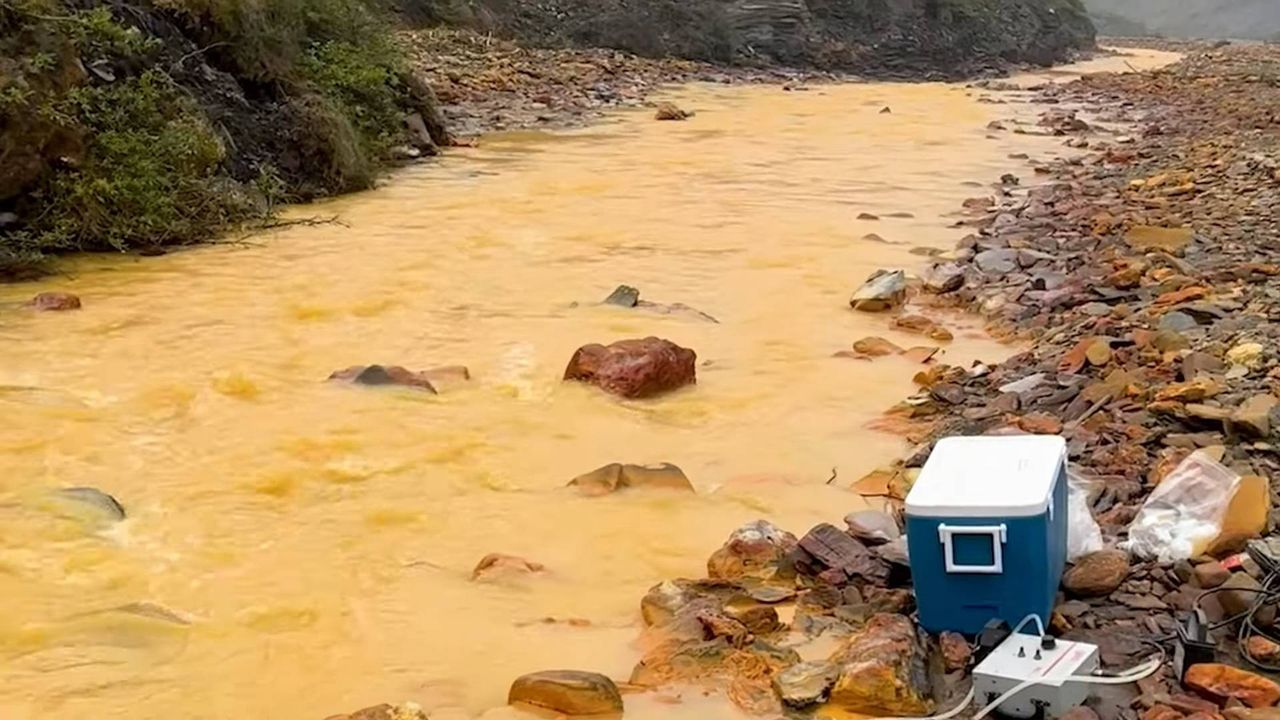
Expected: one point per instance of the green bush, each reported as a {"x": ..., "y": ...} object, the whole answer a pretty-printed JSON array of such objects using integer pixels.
[{"x": 149, "y": 177}]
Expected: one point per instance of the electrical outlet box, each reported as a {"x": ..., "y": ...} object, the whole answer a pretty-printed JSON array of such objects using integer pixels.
[{"x": 1046, "y": 660}]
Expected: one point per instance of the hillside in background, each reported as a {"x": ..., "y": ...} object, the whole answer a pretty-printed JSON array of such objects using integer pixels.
[{"x": 1251, "y": 19}]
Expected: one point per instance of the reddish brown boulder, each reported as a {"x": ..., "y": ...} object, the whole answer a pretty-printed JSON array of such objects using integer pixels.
[
  {"x": 55, "y": 302},
  {"x": 1161, "y": 712},
  {"x": 634, "y": 368},
  {"x": 955, "y": 651},
  {"x": 571, "y": 692},
  {"x": 1096, "y": 574},
  {"x": 1222, "y": 682},
  {"x": 384, "y": 375},
  {"x": 495, "y": 566},
  {"x": 755, "y": 550}
]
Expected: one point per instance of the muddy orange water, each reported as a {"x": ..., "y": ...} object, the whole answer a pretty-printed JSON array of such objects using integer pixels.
[{"x": 296, "y": 548}]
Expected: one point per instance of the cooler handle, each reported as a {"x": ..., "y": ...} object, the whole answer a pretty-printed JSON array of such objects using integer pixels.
[{"x": 999, "y": 535}]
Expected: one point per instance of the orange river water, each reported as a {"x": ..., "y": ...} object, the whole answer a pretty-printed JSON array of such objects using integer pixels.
[{"x": 316, "y": 540}]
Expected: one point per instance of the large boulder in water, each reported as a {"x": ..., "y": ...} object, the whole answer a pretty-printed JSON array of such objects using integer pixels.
[
  {"x": 571, "y": 692},
  {"x": 634, "y": 368},
  {"x": 884, "y": 670}
]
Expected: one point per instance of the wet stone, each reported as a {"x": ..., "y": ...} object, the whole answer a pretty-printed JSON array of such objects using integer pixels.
[
  {"x": 807, "y": 683},
  {"x": 623, "y": 296},
  {"x": 571, "y": 692}
]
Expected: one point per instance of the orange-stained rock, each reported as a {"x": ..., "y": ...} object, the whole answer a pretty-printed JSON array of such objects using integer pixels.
[
  {"x": 617, "y": 476},
  {"x": 571, "y": 692},
  {"x": 670, "y": 111},
  {"x": 1096, "y": 574},
  {"x": 407, "y": 711},
  {"x": 55, "y": 301},
  {"x": 1262, "y": 649},
  {"x": 495, "y": 566},
  {"x": 638, "y": 368},
  {"x": 1161, "y": 712},
  {"x": 754, "y": 550},
  {"x": 1220, "y": 681},
  {"x": 1246, "y": 516},
  {"x": 883, "y": 670},
  {"x": 875, "y": 347}
]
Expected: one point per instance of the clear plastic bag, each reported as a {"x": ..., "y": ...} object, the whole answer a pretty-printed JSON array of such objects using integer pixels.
[
  {"x": 1083, "y": 534},
  {"x": 1185, "y": 511}
]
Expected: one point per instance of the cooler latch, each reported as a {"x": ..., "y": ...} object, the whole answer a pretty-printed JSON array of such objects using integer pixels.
[{"x": 999, "y": 535}]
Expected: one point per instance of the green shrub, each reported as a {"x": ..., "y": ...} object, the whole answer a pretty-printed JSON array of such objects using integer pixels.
[{"x": 149, "y": 176}]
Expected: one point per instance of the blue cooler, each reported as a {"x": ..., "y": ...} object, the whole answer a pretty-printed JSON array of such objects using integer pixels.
[{"x": 987, "y": 530}]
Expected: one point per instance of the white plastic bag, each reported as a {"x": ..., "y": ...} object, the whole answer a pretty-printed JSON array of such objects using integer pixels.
[
  {"x": 1185, "y": 511},
  {"x": 1083, "y": 534}
]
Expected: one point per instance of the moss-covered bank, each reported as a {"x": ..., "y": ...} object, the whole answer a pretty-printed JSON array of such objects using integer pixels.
[{"x": 137, "y": 125}]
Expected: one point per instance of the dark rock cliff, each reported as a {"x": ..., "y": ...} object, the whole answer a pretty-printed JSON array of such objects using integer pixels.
[{"x": 929, "y": 38}]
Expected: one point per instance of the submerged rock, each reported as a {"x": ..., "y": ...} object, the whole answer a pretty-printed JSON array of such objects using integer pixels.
[
  {"x": 634, "y": 369},
  {"x": 497, "y": 566},
  {"x": 95, "y": 498},
  {"x": 885, "y": 289},
  {"x": 617, "y": 476},
  {"x": 884, "y": 670},
  {"x": 755, "y": 550},
  {"x": 571, "y": 692},
  {"x": 669, "y": 111},
  {"x": 407, "y": 711},
  {"x": 54, "y": 302},
  {"x": 384, "y": 375}
]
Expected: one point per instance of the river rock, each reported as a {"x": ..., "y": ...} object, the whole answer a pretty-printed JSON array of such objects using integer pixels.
[
  {"x": 755, "y": 550},
  {"x": 875, "y": 347},
  {"x": 1263, "y": 649},
  {"x": 660, "y": 605},
  {"x": 1252, "y": 418},
  {"x": 623, "y": 296},
  {"x": 1222, "y": 682},
  {"x": 384, "y": 375},
  {"x": 1210, "y": 575},
  {"x": 1238, "y": 594},
  {"x": 617, "y": 476},
  {"x": 999, "y": 261},
  {"x": 1252, "y": 714},
  {"x": 837, "y": 558},
  {"x": 944, "y": 278},
  {"x": 54, "y": 302},
  {"x": 885, "y": 289},
  {"x": 1098, "y": 573},
  {"x": 634, "y": 368},
  {"x": 571, "y": 692},
  {"x": 1246, "y": 354},
  {"x": 883, "y": 670},
  {"x": 670, "y": 111},
  {"x": 497, "y": 566},
  {"x": 873, "y": 527},
  {"x": 955, "y": 650},
  {"x": 407, "y": 711},
  {"x": 807, "y": 683},
  {"x": 95, "y": 498},
  {"x": 1080, "y": 712}
]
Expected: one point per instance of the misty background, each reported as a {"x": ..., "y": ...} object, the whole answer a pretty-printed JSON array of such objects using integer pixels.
[{"x": 1252, "y": 19}]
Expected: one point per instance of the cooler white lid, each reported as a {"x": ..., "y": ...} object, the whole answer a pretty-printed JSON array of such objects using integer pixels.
[{"x": 989, "y": 476}]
